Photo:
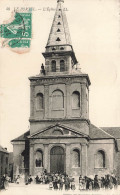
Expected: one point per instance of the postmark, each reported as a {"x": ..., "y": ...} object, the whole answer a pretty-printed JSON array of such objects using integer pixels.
[{"x": 17, "y": 33}]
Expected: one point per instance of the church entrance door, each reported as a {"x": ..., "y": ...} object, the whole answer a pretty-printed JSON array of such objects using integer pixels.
[{"x": 57, "y": 158}]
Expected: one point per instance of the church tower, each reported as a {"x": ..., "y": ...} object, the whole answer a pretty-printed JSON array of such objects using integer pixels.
[
  {"x": 59, "y": 94},
  {"x": 61, "y": 138},
  {"x": 59, "y": 55}
]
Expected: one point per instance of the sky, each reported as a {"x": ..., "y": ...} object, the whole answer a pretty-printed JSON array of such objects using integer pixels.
[{"x": 95, "y": 32}]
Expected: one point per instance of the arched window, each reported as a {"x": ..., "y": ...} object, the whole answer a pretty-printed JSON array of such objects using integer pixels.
[
  {"x": 59, "y": 23},
  {"x": 76, "y": 158},
  {"x": 100, "y": 159},
  {"x": 75, "y": 99},
  {"x": 57, "y": 150},
  {"x": 53, "y": 66},
  {"x": 57, "y": 100},
  {"x": 39, "y": 101},
  {"x": 39, "y": 158},
  {"x": 62, "y": 65}
]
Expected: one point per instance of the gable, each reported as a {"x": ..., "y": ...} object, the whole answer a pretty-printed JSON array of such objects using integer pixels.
[{"x": 57, "y": 131}]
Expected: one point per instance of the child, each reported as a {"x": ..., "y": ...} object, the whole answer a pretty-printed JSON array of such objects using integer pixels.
[{"x": 50, "y": 185}]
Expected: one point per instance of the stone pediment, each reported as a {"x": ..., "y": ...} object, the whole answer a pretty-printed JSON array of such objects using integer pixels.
[{"x": 57, "y": 131}]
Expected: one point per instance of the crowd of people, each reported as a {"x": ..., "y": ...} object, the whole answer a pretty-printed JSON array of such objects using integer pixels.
[
  {"x": 96, "y": 183},
  {"x": 58, "y": 181},
  {"x": 61, "y": 181}
]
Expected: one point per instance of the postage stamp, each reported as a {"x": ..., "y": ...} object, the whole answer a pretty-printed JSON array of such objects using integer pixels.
[{"x": 18, "y": 33}]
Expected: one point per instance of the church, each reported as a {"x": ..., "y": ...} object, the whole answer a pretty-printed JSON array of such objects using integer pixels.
[{"x": 61, "y": 137}]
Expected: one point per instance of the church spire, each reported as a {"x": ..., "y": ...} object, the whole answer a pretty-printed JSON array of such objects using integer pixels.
[
  {"x": 59, "y": 51},
  {"x": 59, "y": 34}
]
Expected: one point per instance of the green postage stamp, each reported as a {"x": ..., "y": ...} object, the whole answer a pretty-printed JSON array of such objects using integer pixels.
[{"x": 18, "y": 33}]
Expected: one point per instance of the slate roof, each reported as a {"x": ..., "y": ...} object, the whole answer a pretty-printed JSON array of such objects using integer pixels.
[
  {"x": 3, "y": 149},
  {"x": 114, "y": 131},
  {"x": 99, "y": 133},
  {"x": 59, "y": 23},
  {"x": 22, "y": 137}
]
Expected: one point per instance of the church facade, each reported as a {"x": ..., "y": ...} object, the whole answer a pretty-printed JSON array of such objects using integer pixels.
[{"x": 61, "y": 137}]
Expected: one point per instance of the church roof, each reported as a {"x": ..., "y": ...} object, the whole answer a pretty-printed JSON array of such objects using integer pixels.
[
  {"x": 22, "y": 137},
  {"x": 98, "y": 133},
  {"x": 114, "y": 131},
  {"x": 3, "y": 149},
  {"x": 59, "y": 34}
]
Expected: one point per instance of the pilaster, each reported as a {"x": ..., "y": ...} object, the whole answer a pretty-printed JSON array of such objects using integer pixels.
[
  {"x": 46, "y": 155},
  {"x": 68, "y": 169},
  {"x": 84, "y": 160},
  {"x": 83, "y": 101},
  {"x": 46, "y": 101},
  {"x": 31, "y": 165},
  {"x": 32, "y": 100},
  {"x": 67, "y": 102}
]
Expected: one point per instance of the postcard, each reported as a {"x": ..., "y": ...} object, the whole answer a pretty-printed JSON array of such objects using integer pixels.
[{"x": 59, "y": 97}]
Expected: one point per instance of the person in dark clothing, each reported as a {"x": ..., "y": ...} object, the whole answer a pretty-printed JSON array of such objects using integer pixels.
[
  {"x": 3, "y": 181},
  {"x": 37, "y": 180},
  {"x": 106, "y": 182},
  {"x": 96, "y": 183},
  {"x": 67, "y": 183},
  {"x": 55, "y": 184},
  {"x": 102, "y": 182},
  {"x": 30, "y": 179},
  {"x": 87, "y": 182}
]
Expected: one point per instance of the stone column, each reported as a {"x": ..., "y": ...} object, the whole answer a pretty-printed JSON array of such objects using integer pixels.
[
  {"x": 67, "y": 102},
  {"x": 67, "y": 162},
  {"x": 31, "y": 162},
  {"x": 84, "y": 160},
  {"x": 46, "y": 161},
  {"x": 46, "y": 101}
]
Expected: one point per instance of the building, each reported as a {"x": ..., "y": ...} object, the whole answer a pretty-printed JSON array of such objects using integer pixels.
[
  {"x": 61, "y": 137},
  {"x": 4, "y": 162}
]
